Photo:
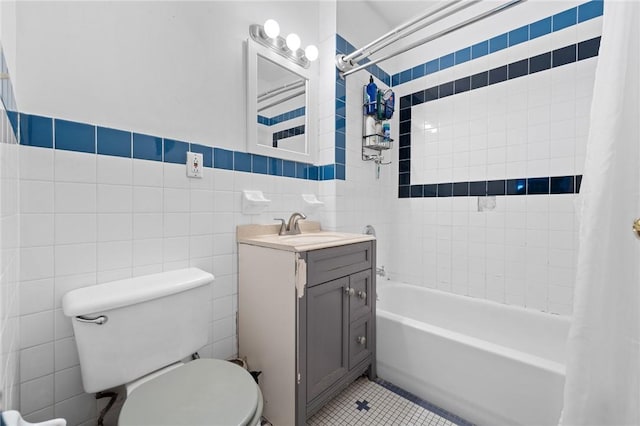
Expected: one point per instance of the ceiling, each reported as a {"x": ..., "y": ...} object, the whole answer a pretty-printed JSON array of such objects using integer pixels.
[{"x": 395, "y": 13}]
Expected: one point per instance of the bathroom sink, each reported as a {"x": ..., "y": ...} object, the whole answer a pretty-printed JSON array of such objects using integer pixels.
[{"x": 311, "y": 238}]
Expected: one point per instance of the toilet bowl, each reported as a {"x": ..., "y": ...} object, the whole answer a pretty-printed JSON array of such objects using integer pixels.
[
  {"x": 135, "y": 332},
  {"x": 203, "y": 391}
]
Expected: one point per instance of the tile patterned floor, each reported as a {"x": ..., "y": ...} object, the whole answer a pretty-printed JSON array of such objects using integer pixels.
[{"x": 369, "y": 403}]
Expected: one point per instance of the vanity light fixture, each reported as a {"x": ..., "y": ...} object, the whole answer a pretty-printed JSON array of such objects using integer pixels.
[{"x": 269, "y": 35}]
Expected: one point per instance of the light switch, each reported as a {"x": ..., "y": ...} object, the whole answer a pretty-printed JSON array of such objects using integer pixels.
[{"x": 194, "y": 164}]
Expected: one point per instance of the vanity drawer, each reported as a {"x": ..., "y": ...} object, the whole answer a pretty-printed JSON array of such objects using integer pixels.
[
  {"x": 335, "y": 262},
  {"x": 359, "y": 341}
]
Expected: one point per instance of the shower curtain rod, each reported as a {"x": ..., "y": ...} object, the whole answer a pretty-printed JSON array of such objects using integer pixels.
[
  {"x": 345, "y": 61},
  {"x": 433, "y": 36},
  {"x": 279, "y": 90}
]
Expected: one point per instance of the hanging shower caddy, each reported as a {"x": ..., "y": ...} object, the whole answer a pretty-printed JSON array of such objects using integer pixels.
[{"x": 376, "y": 136}]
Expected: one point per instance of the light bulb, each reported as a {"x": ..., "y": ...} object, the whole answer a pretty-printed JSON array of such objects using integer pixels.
[
  {"x": 293, "y": 42},
  {"x": 311, "y": 52},
  {"x": 271, "y": 28}
]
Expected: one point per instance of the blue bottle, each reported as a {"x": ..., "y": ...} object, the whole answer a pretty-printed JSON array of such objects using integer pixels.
[{"x": 372, "y": 93}]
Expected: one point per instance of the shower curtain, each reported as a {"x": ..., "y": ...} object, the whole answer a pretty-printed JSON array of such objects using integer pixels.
[{"x": 603, "y": 359}]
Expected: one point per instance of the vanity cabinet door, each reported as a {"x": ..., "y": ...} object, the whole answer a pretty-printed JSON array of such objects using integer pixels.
[{"x": 327, "y": 335}]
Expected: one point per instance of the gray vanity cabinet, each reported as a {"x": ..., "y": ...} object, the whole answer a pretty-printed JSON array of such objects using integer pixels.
[
  {"x": 306, "y": 319},
  {"x": 337, "y": 333}
]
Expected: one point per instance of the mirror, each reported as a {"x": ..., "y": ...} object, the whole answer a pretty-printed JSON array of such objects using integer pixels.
[{"x": 279, "y": 122}]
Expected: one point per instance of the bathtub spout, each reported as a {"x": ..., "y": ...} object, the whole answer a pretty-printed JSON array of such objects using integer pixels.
[{"x": 381, "y": 272}]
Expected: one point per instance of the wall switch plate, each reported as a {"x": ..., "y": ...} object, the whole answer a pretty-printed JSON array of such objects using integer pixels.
[{"x": 194, "y": 164}]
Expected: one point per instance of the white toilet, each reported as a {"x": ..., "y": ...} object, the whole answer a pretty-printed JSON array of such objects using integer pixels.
[{"x": 134, "y": 332}]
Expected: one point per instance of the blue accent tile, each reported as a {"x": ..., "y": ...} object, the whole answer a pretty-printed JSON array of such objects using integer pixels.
[
  {"x": 538, "y": 186},
  {"x": 447, "y": 61},
  {"x": 341, "y": 108},
  {"x": 340, "y": 156},
  {"x": 405, "y": 114},
  {"x": 275, "y": 166},
  {"x": 341, "y": 93},
  {"x": 404, "y": 166},
  {"x": 540, "y": 28},
  {"x": 565, "y": 19},
  {"x": 590, "y": 10},
  {"x": 478, "y": 188},
  {"x": 313, "y": 173},
  {"x": 206, "y": 151},
  {"x": 516, "y": 187},
  {"x": 13, "y": 119},
  {"x": 114, "y": 142},
  {"x": 147, "y": 147},
  {"x": 445, "y": 189},
  {"x": 416, "y": 191},
  {"x": 328, "y": 172},
  {"x": 446, "y": 89},
  {"x": 341, "y": 44},
  {"x": 518, "y": 69},
  {"x": 404, "y": 128},
  {"x": 404, "y": 153},
  {"x": 578, "y": 183},
  {"x": 540, "y": 62},
  {"x": 430, "y": 190},
  {"x": 241, "y": 161},
  {"x": 340, "y": 140},
  {"x": 404, "y": 179},
  {"x": 395, "y": 79},
  {"x": 431, "y": 94},
  {"x": 404, "y": 192},
  {"x": 175, "y": 151},
  {"x": 460, "y": 189},
  {"x": 480, "y": 49},
  {"x": 418, "y": 71},
  {"x": 405, "y": 76},
  {"x": 288, "y": 168},
  {"x": 417, "y": 98},
  {"x": 479, "y": 80},
  {"x": 36, "y": 131},
  {"x": 519, "y": 35},
  {"x": 463, "y": 55},
  {"x": 301, "y": 170},
  {"x": 588, "y": 48},
  {"x": 562, "y": 185},
  {"x": 341, "y": 124},
  {"x": 72, "y": 136},
  {"x": 432, "y": 66},
  {"x": 498, "y": 43},
  {"x": 462, "y": 85},
  {"x": 405, "y": 102},
  {"x": 259, "y": 164},
  {"x": 496, "y": 187},
  {"x": 564, "y": 56},
  {"x": 498, "y": 75},
  {"x": 222, "y": 159},
  {"x": 341, "y": 172}
]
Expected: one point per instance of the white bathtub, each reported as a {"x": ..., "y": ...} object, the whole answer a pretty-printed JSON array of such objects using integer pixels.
[{"x": 489, "y": 363}]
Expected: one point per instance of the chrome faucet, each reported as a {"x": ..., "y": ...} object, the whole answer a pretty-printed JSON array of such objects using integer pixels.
[{"x": 292, "y": 227}]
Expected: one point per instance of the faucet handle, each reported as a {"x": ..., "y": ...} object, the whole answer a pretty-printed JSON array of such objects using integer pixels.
[{"x": 283, "y": 225}]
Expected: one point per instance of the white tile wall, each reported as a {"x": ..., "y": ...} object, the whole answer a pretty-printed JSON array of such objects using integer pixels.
[
  {"x": 121, "y": 218},
  {"x": 9, "y": 266}
]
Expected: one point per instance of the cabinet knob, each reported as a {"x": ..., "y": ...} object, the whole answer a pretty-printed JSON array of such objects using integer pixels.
[
  {"x": 361, "y": 340},
  {"x": 349, "y": 291},
  {"x": 362, "y": 294}
]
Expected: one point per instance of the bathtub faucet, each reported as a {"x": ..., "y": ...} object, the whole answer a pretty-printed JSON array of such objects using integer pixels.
[{"x": 380, "y": 271}]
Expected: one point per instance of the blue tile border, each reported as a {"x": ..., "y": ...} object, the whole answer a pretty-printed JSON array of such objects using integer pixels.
[
  {"x": 557, "y": 22},
  {"x": 521, "y": 186},
  {"x": 285, "y": 116},
  {"x": 424, "y": 404},
  {"x": 52, "y": 133}
]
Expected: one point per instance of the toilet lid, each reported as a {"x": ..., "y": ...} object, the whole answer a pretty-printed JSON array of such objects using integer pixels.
[{"x": 201, "y": 392}]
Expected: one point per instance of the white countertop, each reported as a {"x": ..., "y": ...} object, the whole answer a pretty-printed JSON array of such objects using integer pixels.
[{"x": 311, "y": 237}]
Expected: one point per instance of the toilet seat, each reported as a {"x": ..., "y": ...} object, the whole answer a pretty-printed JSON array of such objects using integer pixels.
[{"x": 201, "y": 392}]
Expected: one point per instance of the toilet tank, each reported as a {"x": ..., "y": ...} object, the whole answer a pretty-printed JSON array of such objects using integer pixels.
[{"x": 151, "y": 321}]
